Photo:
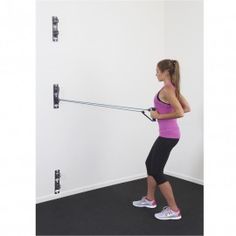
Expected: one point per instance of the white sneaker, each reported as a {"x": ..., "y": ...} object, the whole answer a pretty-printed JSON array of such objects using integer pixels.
[
  {"x": 168, "y": 214},
  {"x": 144, "y": 202}
]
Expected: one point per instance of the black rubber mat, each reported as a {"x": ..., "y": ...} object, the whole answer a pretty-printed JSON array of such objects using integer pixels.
[{"x": 109, "y": 211}]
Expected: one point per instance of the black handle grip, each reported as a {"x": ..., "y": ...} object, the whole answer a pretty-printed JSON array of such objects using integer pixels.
[{"x": 150, "y": 109}]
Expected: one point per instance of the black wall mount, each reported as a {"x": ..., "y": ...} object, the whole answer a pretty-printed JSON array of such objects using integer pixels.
[
  {"x": 55, "y": 31},
  {"x": 57, "y": 181},
  {"x": 56, "y": 100}
]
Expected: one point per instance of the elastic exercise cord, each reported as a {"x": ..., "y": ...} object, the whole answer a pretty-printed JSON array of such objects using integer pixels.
[{"x": 135, "y": 109}]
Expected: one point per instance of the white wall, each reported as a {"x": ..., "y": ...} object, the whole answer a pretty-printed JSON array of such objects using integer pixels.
[{"x": 107, "y": 53}]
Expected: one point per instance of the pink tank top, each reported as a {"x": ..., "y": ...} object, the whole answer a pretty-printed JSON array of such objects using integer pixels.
[{"x": 168, "y": 128}]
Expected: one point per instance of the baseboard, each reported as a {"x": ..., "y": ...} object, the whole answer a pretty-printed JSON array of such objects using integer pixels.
[
  {"x": 184, "y": 177},
  {"x": 89, "y": 188},
  {"x": 109, "y": 183}
]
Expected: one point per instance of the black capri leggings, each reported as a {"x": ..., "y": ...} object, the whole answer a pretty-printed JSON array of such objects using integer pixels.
[{"x": 158, "y": 157}]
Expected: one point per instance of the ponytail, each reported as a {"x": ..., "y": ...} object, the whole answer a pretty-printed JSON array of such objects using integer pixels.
[{"x": 172, "y": 66}]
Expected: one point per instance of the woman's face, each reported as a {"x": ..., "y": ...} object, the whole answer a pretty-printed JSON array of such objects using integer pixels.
[{"x": 160, "y": 75}]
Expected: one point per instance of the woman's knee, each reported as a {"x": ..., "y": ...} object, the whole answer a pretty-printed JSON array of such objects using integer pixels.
[
  {"x": 160, "y": 178},
  {"x": 148, "y": 165}
]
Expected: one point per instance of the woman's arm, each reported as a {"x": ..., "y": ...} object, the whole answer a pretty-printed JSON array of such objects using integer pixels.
[
  {"x": 174, "y": 102},
  {"x": 184, "y": 104}
]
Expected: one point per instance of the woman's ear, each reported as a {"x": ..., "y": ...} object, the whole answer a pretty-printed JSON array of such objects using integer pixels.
[{"x": 166, "y": 73}]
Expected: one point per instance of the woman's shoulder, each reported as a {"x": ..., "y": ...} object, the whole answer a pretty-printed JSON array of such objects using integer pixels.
[{"x": 169, "y": 88}]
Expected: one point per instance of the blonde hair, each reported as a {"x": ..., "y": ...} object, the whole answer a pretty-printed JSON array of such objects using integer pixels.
[{"x": 172, "y": 66}]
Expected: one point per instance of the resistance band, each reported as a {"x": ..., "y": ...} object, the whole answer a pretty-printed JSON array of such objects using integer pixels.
[{"x": 56, "y": 100}]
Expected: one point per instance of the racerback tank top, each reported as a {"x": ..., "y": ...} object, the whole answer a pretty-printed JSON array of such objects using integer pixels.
[{"x": 168, "y": 128}]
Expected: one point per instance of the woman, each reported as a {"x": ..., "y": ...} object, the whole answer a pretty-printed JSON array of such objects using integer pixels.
[{"x": 170, "y": 105}]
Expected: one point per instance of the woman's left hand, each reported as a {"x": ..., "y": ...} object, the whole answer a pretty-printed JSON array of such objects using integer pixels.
[{"x": 155, "y": 115}]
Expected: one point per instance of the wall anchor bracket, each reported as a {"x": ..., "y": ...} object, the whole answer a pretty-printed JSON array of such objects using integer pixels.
[
  {"x": 56, "y": 99},
  {"x": 55, "y": 31},
  {"x": 57, "y": 181}
]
